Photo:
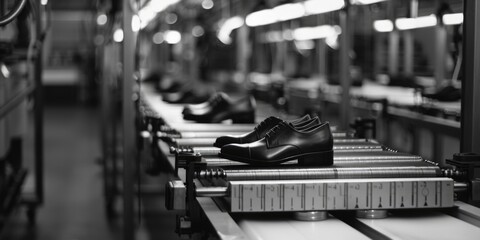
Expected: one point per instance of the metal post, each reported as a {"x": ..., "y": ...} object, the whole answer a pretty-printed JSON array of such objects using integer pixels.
[
  {"x": 408, "y": 41},
  {"x": 393, "y": 42},
  {"x": 344, "y": 74},
  {"x": 38, "y": 113},
  {"x": 470, "y": 141},
  {"x": 440, "y": 53},
  {"x": 128, "y": 123},
  {"x": 321, "y": 52}
]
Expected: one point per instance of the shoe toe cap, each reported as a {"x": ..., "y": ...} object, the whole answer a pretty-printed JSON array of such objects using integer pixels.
[
  {"x": 240, "y": 150},
  {"x": 224, "y": 140}
]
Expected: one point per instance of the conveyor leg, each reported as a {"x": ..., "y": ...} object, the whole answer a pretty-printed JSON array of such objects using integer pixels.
[
  {"x": 311, "y": 216},
  {"x": 371, "y": 214}
]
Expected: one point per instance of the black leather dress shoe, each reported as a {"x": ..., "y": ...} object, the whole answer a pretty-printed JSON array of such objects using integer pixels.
[
  {"x": 446, "y": 94},
  {"x": 258, "y": 132},
  {"x": 194, "y": 108},
  {"x": 313, "y": 147},
  {"x": 240, "y": 111}
]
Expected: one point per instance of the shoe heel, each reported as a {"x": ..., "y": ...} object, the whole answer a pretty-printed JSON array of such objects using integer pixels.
[
  {"x": 244, "y": 118},
  {"x": 317, "y": 159}
]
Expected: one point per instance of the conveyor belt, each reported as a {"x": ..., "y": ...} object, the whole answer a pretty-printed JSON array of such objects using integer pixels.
[
  {"x": 283, "y": 227},
  {"x": 415, "y": 225},
  {"x": 423, "y": 225},
  {"x": 320, "y": 173},
  {"x": 340, "y": 159}
]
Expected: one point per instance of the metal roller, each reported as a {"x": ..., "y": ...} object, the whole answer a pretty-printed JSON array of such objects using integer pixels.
[
  {"x": 320, "y": 173},
  {"x": 219, "y": 127},
  {"x": 177, "y": 135},
  {"x": 206, "y": 151},
  {"x": 338, "y": 144},
  {"x": 340, "y": 159},
  {"x": 198, "y": 142},
  {"x": 374, "y": 157},
  {"x": 209, "y": 134}
]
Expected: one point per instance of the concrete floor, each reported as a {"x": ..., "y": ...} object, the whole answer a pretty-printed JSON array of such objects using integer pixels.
[{"x": 74, "y": 205}]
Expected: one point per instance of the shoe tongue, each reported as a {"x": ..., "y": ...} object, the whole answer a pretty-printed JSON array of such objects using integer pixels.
[
  {"x": 269, "y": 123},
  {"x": 274, "y": 120}
]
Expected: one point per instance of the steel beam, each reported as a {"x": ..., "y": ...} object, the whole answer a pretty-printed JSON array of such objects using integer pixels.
[
  {"x": 470, "y": 141},
  {"x": 128, "y": 122}
]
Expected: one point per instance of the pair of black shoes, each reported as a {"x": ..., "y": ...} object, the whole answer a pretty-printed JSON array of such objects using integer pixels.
[
  {"x": 219, "y": 108},
  {"x": 275, "y": 141}
]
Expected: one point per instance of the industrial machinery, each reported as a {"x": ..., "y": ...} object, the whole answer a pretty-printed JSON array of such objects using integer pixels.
[{"x": 367, "y": 181}]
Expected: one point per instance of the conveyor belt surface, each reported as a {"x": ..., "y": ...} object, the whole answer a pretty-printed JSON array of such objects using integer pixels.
[
  {"x": 423, "y": 225},
  {"x": 283, "y": 228}
]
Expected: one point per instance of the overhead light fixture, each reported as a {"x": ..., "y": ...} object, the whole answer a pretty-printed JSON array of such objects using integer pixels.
[
  {"x": 304, "y": 45},
  {"x": 273, "y": 37},
  {"x": 383, "y": 25},
  {"x": 172, "y": 36},
  {"x": 365, "y": 2},
  {"x": 262, "y": 17},
  {"x": 5, "y": 71},
  {"x": 319, "y": 32},
  {"x": 150, "y": 10},
  {"x": 198, "y": 31},
  {"x": 418, "y": 22},
  {"x": 118, "y": 35},
  {"x": 136, "y": 23},
  {"x": 160, "y": 5},
  {"x": 289, "y": 11},
  {"x": 323, "y": 6},
  {"x": 157, "y": 38},
  {"x": 102, "y": 19},
  {"x": 287, "y": 34},
  {"x": 227, "y": 27},
  {"x": 146, "y": 16},
  {"x": 452, "y": 19},
  {"x": 44, "y": 2},
  {"x": 332, "y": 41},
  {"x": 207, "y": 4},
  {"x": 171, "y": 18},
  {"x": 302, "y": 34}
]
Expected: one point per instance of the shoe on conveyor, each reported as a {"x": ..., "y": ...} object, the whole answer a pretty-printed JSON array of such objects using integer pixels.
[
  {"x": 446, "y": 94},
  {"x": 261, "y": 129},
  {"x": 240, "y": 111},
  {"x": 204, "y": 106},
  {"x": 312, "y": 147}
]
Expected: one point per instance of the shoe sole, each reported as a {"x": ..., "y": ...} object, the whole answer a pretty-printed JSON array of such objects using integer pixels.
[{"x": 324, "y": 158}]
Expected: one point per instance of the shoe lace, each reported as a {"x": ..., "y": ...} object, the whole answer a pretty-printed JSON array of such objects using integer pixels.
[
  {"x": 275, "y": 130},
  {"x": 262, "y": 125},
  {"x": 216, "y": 99}
]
